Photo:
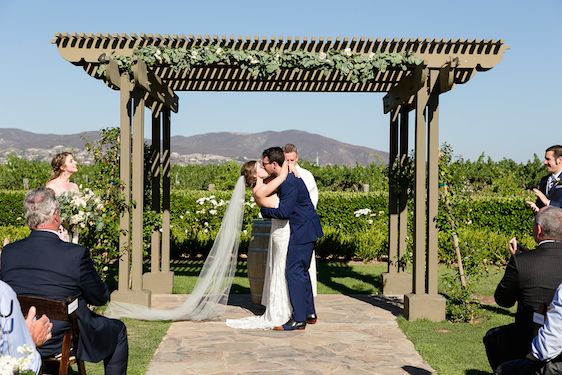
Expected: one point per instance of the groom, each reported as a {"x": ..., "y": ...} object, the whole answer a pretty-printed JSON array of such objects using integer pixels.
[{"x": 295, "y": 205}]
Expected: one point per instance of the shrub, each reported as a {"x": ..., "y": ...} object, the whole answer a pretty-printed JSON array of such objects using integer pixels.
[{"x": 13, "y": 233}]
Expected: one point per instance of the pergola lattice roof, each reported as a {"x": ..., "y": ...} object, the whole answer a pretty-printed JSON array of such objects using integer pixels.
[{"x": 467, "y": 56}]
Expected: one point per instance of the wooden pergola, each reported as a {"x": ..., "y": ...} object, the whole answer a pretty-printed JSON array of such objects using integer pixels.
[{"x": 413, "y": 88}]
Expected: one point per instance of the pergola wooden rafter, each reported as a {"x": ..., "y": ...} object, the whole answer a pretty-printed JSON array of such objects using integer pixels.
[{"x": 417, "y": 88}]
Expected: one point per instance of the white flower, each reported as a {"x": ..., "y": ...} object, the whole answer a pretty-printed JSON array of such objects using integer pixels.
[
  {"x": 10, "y": 365},
  {"x": 253, "y": 60},
  {"x": 363, "y": 211},
  {"x": 158, "y": 55},
  {"x": 347, "y": 51},
  {"x": 370, "y": 221},
  {"x": 213, "y": 212},
  {"x": 322, "y": 56},
  {"x": 206, "y": 224}
]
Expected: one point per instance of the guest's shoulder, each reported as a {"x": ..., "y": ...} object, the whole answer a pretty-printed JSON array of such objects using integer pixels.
[{"x": 6, "y": 290}]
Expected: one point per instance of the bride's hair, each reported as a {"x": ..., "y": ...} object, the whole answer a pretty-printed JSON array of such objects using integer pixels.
[
  {"x": 248, "y": 171},
  {"x": 58, "y": 161}
]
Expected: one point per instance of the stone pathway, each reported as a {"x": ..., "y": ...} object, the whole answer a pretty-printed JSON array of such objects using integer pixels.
[{"x": 354, "y": 335}]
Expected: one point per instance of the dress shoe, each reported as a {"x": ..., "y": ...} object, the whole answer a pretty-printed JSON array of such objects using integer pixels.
[
  {"x": 291, "y": 325},
  {"x": 311, "y": 319}
]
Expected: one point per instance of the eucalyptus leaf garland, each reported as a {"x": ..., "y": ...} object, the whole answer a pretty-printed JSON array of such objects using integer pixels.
[{"x": 266, "y": 64}]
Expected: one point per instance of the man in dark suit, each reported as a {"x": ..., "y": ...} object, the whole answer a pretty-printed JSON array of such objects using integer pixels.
[
  {"x": 530, "y": 279},
  {"x": 44, "y": 265},
  {"x": 295, "y": 205},
  {"x": 549, "y": 192}
]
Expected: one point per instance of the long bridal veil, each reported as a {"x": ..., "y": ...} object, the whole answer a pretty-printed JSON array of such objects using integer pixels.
[{"x": 210, "y": 294}]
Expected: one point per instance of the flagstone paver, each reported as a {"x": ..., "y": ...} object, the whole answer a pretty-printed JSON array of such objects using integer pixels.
[{"x": 354, "y": 335}]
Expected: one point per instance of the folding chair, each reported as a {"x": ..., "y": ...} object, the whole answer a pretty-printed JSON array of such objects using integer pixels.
[{"x": 58, "y": 310}]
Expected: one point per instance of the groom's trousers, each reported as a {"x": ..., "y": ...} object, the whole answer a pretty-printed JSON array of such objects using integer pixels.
[{"x": 298, "y": 280}]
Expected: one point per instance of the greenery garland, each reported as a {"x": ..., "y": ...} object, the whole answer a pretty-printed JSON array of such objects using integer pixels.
[{"x": 267, "y": 64}]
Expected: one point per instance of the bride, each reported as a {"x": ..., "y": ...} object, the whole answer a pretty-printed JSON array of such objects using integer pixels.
[
  {"x": 210, "y": 295},
  {"x": 275, "y": 294}
]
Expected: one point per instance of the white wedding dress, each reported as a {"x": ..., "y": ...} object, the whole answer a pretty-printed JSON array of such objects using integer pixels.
[{"x": 275, "y": 295}]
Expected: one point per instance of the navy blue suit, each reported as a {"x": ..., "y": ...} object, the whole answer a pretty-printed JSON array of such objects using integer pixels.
[
  {"x": 295, "y": 205},
  {"x": 44, "y": 265},
  {"x": 554, "y": 195}
]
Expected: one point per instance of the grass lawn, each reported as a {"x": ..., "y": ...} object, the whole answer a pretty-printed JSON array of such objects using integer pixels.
[{"x": 450, "y": 348}]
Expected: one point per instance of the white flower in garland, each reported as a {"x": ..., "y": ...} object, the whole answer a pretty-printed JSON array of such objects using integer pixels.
[{"x": 267, "y": 64}]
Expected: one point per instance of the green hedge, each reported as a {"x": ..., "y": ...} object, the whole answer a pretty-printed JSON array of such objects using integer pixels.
[
  {"x": 498, "y": 214},
  {"x": 12, "y": 208},
  {"x": 485, "y": 224}
]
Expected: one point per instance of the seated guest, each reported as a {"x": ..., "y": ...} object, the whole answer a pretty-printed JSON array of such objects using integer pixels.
[
  {"x": 530, "y": 279},
  {"x": 44, "y": 265},
  {"x": 18, "y": 331},
  {"x": 545, "y": 356}
]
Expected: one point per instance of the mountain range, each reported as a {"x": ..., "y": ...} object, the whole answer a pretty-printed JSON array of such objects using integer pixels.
[{"x": 200, "y": 149}]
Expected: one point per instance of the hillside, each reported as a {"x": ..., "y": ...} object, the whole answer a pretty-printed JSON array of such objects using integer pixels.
[{"x": 203, "y": 148}]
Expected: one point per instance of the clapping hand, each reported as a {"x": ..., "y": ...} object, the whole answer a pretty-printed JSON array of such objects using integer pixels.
[
  {"x": 512, "y": 245},
  {"x": 541, "y": 196}
]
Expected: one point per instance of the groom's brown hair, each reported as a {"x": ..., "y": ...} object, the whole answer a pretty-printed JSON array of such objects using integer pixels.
[{"x": 274, "y": 154}]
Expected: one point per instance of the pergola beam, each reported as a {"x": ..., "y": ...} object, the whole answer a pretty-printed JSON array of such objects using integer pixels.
[
  {"x": 401, "y": 93},
  {"x": 153, "y": 85}
]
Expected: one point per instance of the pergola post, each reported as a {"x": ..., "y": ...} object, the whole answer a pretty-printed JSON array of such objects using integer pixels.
[
  {"x": 396, "y": 281},
  {"x": 403, "y": 198},
  {"x": 131, "y": 221},
  {"x": 424, "y": 302},
  {"x": 166, "y": 171},
  {"x": 160, "y": 279}
]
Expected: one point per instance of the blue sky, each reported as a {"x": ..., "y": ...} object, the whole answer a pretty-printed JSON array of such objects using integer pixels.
[{"x": 510, "y": 111}]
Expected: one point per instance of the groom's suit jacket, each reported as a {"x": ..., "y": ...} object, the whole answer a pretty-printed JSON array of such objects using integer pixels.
[
  {"x": 44, "y": 265},
  {"x": 295, "y": 205},
  {"x": 554, "y": 195}
]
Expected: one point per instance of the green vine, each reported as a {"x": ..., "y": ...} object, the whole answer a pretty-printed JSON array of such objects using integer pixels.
[{"x": 267, "y": 64}]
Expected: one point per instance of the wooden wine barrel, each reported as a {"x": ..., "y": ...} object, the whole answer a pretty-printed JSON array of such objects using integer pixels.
[{"x": 257, "y": 257}]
